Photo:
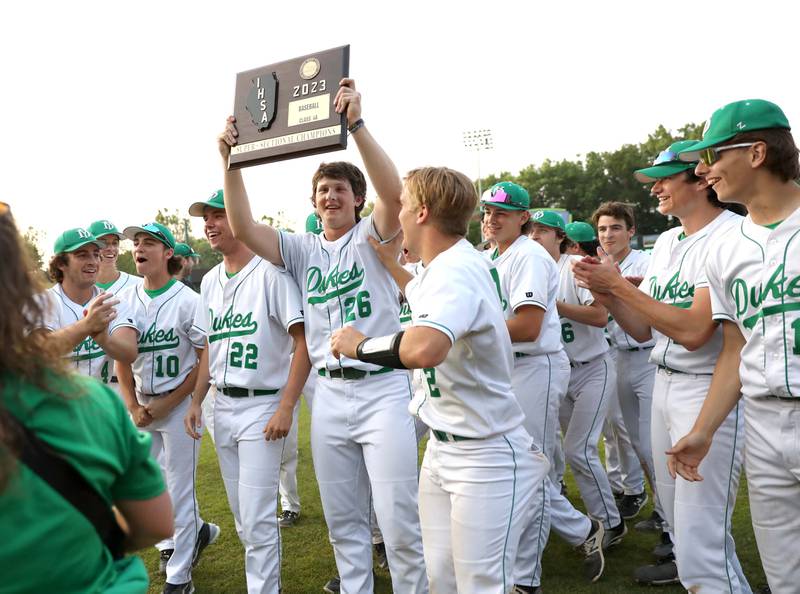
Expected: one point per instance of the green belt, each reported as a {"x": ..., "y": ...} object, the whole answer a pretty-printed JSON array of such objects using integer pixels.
[
  {"x": 520, "y": 355},
  {"x": 634, "y": 349},
  {"x": 246, "y": 393},
  {"x": 350, "y": 373},
  {"x": 444, "y": 436}
]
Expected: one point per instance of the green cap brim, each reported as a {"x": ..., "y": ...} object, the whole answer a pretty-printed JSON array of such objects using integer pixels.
[
  {"x": 132, "y": 232},
  {"x": 692, "y": 154},
  {"x": 196, "y": 209},
  {"x": 656, "y": 172},
  {"x": 502, "y": 205},
  {"x": 79, "y": 245}
]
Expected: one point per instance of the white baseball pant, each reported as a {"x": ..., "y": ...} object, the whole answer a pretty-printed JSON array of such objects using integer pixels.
[
  {"x": 699, "y": 513},
  {"x": 539, "y": 383},
  {"x": 362, "y": 439},
  {"x": 474, "y": 499},
  {"x": 207, "y": 408},
  {"x": 179, "y": 454},
  {"x": 592, "y": 385},
  {"x": 772, "y": 434},
  {"x": 625, "y": 474},
  {"x": 635, "y": 378},
  {"x": 250, "y": 465}
]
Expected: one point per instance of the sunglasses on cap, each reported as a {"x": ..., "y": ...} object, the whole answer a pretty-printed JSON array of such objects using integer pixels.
[
  {"x": 666, "y": 156},
  {"x": 711, "y": 155},
  {"x": 497, "y": 194}
]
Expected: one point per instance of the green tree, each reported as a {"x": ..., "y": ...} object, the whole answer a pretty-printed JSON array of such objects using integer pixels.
[
  {"x": 31, "y": 239},
  {"x": 580, "y": 185},
  {"x": 172, "y": 220},
  {"x": 125, "y": 262},
  {"x": 208, "y": 257},
  {"x": 279, "y": 221}
]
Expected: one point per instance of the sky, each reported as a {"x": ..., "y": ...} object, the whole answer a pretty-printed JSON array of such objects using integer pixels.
[{"x": 111, "y": 110}]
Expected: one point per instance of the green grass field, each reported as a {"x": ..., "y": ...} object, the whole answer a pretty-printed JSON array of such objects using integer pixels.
[{"x": 308, "y": 558}]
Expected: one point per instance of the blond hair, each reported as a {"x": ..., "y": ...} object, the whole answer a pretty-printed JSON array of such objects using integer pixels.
[{"x": 448, "y": 195}]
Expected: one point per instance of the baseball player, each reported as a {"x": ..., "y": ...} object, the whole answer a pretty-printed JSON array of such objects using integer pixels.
[
  {"x": 91, "y": 327},
  {"x": 109, "y": 279},
  {"x": 156, "y": 386},
  {"x": 625, "y": 474},
  {"x": 528, "y": 280},
  {"x": 748, "y": 155},
  {"x": 362, "y": 439},
  {"x": 188, "y": 257},
  {"x": 635, "y": 374},
  {"x": 592, "y": 382},
  {"x": 251, "y": 317},
  {"x": 480, "y": 467},
  {"x": 674, "y": 300}
]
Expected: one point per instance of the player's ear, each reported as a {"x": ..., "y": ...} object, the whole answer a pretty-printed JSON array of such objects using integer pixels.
[
  {"x": 758, "y": 154},
  {"x": 423, "y": 214}
]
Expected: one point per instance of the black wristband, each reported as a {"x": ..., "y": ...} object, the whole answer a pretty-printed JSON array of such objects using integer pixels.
[
  {"x": 359, "y": 123},
  {"x": 383, "y": 351}
]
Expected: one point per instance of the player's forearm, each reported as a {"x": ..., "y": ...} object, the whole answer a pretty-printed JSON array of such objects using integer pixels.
[
  {"x": 591, "y": 315},
  {"x": 526, "y": 325},
  {"x": 400, "y": 275},
  {"x": 298, "y": 374},
  {"x": 67, "y": 338},
  {"x": 260, "y": 238},
  {"x": 203, "y": 378},
  {"x": 185, "y": 388},
  {"x": 120, "y": 346},
  {"x": 726, "y": 385},
  {"x": 690, "y": 327},
  {"x": 630, "y": 321},
  {"x": 126, "y": 385},
  {"x": 384, "y": 178}
]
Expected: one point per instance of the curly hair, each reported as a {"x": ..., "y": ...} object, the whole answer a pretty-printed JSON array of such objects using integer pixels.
[{"x": 25, "y": 355}]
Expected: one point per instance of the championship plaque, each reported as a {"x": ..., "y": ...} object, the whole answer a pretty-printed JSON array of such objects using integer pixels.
[{"x": 286, "y": 110}]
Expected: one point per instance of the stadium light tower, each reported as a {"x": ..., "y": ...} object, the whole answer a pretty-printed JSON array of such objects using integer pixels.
[{"x": 478, "y": 140}]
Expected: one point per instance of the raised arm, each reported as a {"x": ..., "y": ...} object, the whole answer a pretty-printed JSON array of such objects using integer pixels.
[
  {"x": 380, "y": 168},
  {"x": 260, "y": 238}
]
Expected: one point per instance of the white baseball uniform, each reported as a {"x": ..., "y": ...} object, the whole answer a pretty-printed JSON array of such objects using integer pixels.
[
  {"x": 592, "y": 385},
  {"x": 124, "y": 281},
  {"x": 754, "y": 279},
  {"x": 704, "y": 547},
  {"x": 245, "y": 319},
  {"x": 635, "y": 377},
  {"x": 87, "y": 357},
  {"x": 362, "y": 438},
  {"x": 539, "y": 378},
  {"x": 481, "y": 467},
  {"x": 167, "y": 343}
]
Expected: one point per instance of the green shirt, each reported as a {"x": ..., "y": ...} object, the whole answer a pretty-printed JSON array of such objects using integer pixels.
[{"x": 48, "y": 545}]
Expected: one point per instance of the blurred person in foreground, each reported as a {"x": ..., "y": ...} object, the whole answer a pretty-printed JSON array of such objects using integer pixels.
[{"x": 48, "y": 544}]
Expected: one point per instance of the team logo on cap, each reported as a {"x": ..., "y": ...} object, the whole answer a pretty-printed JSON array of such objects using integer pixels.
[
  {"x": 538, "y": 214},
  {"x": 707, "y": 126},
  {"x": 84, "y": 234},
  {"x": 107, "y": 225},
  {"x": 741, "y": 125}
]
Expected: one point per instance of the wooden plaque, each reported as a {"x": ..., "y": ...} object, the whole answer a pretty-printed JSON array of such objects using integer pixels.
[{"x": 286, "y": 110}]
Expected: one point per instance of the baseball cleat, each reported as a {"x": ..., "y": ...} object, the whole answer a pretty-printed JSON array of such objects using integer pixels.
[
  {"x": 652, "y": 524},
  {"x": 187, "y": 588},
  {"x": 592, "y": 549},
  {"x": 661, "y": 574},
  {"x": 332, "y": 586},
  {"x": 209, "y": 533},
  {"x": 288, "y": 518},
  {"x": 663, "y": 550},
  {"x": 380, "y": 555},
  {"x": 526, "y": 589},
  {"x": 613, "y": 536},
  {"x": 629, "y": 506},
  {"x": 163, "y": 559}
]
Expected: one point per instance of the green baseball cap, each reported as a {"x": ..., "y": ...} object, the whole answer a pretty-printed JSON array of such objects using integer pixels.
[
  {"x": 156, "y": 230},
  {"x": 216, "y": 200},
  {"x": 667, "y": 163},
  {"x": 508, "y": 196},
  {"x": 549, "y": 218},
  {"x": 183, "y": 249},
  {"x": 735, "y": 118},
  {"x": 73, "y": 239},
  {"x": 104, "y": 227},
  {"x": 579, "y": 231},
  {"x": 313, "y": 224}
]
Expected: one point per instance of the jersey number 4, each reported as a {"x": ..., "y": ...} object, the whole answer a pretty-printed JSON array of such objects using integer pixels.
[{"x": 244, "y": 355}]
